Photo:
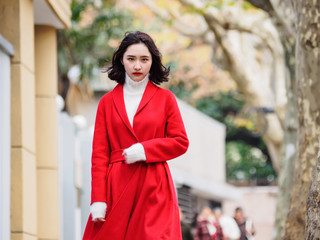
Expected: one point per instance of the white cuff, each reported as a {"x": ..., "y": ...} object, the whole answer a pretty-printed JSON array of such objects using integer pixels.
[
  {"x": 98, "y": 210},
  {"x": 134, "y": 153}
]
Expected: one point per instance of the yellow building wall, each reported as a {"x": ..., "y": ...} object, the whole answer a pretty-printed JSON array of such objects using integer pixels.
[
  {"x": 34, "y": 157},
  {"x": 17, "y": 26},
  {"x": 46, "y": 132}
]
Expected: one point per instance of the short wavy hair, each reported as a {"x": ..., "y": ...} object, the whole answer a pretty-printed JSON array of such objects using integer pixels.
[{"x": 158, "y": 73}]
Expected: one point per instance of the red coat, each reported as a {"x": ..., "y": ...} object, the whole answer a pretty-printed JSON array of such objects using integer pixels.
[{"x": 141, "y": 199}]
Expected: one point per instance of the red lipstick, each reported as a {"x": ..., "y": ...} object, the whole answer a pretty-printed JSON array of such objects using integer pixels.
[{"x": 137, "y": 73}]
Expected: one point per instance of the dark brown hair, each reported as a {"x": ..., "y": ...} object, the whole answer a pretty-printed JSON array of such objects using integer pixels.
[{"x": 158, "y": 72}]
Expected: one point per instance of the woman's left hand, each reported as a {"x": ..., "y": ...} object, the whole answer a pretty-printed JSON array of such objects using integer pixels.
[{"x": 134, "y": 153}]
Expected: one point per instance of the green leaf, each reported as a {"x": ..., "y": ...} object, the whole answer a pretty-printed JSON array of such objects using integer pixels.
[
  {"x": 246, "y": 6},
  {"x": 77, "y": 8},
  {"x": 88, "y": 46},
  {"x": 217, "y": 5}
]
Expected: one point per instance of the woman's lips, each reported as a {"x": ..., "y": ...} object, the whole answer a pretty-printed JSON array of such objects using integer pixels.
[{"x": 137, "y": 74}]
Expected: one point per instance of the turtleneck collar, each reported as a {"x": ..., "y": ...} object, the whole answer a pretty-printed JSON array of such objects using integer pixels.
[{"x": 135, "y": 87}]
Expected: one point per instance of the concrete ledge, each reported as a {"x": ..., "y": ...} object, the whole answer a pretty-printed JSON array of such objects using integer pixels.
[
  {"x": 204, "y": 187},
  {"x": 6, "y": 46}
]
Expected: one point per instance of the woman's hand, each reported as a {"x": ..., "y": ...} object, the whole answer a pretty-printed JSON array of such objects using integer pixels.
[
  {"x": 100, "y": 220},
  {"x": 98, "y": 211},
  {"x": 134, "y": 153}
]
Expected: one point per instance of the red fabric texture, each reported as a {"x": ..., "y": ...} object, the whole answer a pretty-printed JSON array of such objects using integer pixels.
[{"x": 141, "y": 199}]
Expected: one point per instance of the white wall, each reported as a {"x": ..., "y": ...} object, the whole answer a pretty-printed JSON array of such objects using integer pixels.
[
  {"x": 74, "y": 176},
  {"x": 203, "y": 166},
  {"x": 259, "y": 204},
  {"x": 68, "y": 192},
  {"x": 85, "y": 140},
  {"x": 206, "y": 154},
  {"x": 5, "y": 139}
]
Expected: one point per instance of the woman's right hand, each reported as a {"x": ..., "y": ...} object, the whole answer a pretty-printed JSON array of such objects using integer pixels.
[
  {"x": 100, "y": 220},
  {"x": 98, "y": 211}
]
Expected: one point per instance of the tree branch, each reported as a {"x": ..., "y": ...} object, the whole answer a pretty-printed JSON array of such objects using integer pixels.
[
  {"x": 220, "y": 21},
  {"x": 281, "y": 11},
  {"x": 178, "y": 23}
]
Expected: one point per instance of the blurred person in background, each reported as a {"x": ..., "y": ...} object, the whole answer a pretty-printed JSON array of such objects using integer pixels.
[
  {"x": 208, "y": 227},
  {"x": 245, "y": 224},
  {"x": 138, "y": 128},
  {"x": 185, "y": 228},
  {"x": 229, "y": 226},
  {"x": 194, "y": 223}
]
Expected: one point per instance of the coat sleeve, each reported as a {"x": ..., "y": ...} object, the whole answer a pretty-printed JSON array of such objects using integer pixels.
[
  {"x": 100, "y": 156},
  {"x": 175, "y": 143}
]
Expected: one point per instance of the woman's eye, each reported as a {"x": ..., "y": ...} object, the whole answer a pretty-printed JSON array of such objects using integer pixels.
[
  {"x": 130, "y": 59},
  {"x": 145, "y": 59}
]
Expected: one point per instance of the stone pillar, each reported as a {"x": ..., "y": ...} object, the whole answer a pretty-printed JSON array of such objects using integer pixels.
[
  {"x": 46, "y": 132},
  {"x": 16, "y": 24}
]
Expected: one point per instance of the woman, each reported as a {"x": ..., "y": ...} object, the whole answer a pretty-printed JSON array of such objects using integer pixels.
[
  {"x": 208, "y": 227},
  {"x": 245, "y": 225},
  {"x": 138, "y": 128}
]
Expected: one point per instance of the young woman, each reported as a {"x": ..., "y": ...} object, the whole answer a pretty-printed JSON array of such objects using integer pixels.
[{"x": 138, "y": 129}]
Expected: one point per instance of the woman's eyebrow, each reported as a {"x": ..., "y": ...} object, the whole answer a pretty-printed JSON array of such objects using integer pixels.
[{"x": 145, "y": 56}]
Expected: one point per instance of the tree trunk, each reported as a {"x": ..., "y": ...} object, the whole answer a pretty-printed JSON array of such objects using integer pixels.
[
  {"x": 288, "y": 148},
  {"x": 308, "y": 106},
  {"x": 313, "y": 210},
  {"x": 286, "y": 174},
  {"x": 309, "y": 54}
]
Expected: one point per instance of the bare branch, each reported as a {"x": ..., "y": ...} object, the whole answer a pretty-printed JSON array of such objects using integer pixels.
[
  {"x": 220, "y": 21},
  {"x": 282, "y": 12},
  {"x": 178, "y": 21}
]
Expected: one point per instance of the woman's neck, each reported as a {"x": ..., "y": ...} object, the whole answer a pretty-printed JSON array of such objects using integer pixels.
[{"x": 134, "y": 86}]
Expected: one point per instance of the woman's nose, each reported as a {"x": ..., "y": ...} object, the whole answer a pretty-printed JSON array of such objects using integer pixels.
[{"x": 137, "y": 66}]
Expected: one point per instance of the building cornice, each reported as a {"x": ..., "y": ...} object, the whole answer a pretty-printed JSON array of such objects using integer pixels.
[
  {"x": 55, "y": 13},
  {"x": 62, "y": 10}
]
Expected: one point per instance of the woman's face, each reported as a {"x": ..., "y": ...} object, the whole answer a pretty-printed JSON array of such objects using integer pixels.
[{"x": 137, "y": 61}]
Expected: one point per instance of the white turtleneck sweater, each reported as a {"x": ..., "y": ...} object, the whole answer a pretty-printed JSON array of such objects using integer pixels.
[{"x": 132, "y": 93}]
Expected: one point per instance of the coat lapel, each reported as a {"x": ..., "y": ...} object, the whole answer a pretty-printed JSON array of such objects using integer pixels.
[
  {"x": 120, "y": 106},
  {"x": 147, "y": 95}
]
